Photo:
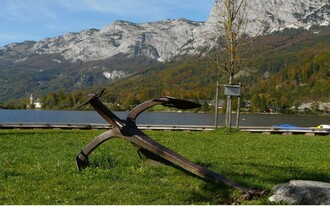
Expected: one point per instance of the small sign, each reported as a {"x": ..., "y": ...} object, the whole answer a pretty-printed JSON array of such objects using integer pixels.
[{"x": 233, "y": 90}]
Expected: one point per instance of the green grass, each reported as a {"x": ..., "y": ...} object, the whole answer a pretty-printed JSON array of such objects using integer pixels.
[{"x": 38, "y": 167}]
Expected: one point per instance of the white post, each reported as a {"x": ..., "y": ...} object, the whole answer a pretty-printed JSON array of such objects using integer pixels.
[{"x": 216, "y": 106}]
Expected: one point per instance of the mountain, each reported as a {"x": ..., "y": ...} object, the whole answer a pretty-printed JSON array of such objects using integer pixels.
[
  {"x": 287, "y": 68},
  {"x": 164, "y": 40},
  {"x": 92, "y": 57},
  {"x": 266, "y": 16},
  {"x": 158, "y": 40}
]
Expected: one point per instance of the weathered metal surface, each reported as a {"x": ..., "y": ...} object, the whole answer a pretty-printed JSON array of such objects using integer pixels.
[{"x": 128, "y": 130}]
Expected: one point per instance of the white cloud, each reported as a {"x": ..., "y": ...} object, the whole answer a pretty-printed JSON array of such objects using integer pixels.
[
  {"x": 150, "y": 9},
  {"x": 122, "y": 7},
  {"x": 21, "y": 11}
]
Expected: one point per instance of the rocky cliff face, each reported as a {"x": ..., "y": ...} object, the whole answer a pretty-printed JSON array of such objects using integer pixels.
[
  {"x": 159, "y": 40},
  {"x": 274, "y": 15},
  {"x": 164, "y": 40},
  {"x": 266, "y": 16}
]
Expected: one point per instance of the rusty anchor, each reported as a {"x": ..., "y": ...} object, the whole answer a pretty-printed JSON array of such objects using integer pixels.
[{"x": 151, "y": 149}]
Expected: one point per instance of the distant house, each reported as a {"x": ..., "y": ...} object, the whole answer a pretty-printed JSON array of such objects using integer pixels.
[
  {"x": 220, "y": 103},
  {"x": 34, "y": 103}
]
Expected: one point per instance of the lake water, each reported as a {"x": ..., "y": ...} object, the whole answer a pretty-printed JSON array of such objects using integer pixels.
[{"x": 163, "y": 118}]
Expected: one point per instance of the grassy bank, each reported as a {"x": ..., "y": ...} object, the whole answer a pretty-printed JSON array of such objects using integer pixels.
[{"x": 38, "y": 167}]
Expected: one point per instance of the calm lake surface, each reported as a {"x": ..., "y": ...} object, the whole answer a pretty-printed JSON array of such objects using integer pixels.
[{"x": 163, "y": 118}]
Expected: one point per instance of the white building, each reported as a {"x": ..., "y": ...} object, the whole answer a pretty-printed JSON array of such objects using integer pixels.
[{"x": 34, "y": 102}]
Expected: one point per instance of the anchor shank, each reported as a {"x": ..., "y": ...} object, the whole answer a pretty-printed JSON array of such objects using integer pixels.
[
  {"x": 149, "y": 144},
  {"x": 109, "y": 116}
]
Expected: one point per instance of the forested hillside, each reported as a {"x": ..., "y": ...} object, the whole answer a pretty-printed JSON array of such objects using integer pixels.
[
  {"x": 282, "y": 70},
  {"x": 295, "y": 70}
]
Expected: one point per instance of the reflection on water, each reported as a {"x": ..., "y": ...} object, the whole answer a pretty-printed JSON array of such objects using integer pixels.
[{"x": 167, "y": 118}]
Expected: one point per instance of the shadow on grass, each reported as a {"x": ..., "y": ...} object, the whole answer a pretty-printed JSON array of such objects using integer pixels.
[
  {"x": 275, "y": 174},
  {"x": 261, "y": 176},
  {"x": 267, "y": 177}
]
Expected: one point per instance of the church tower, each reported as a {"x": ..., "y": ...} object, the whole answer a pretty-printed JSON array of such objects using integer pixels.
[{"x": 32, "y": 99}]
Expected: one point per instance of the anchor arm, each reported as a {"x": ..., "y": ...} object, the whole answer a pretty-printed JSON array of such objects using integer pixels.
[
  {"x": 165, "y": 101},
  {"x": 178, "y": 103},
  {"x": 82, "y": 157}
]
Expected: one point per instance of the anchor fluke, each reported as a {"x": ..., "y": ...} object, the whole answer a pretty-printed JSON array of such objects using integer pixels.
[{"x": 177, "y": 103}]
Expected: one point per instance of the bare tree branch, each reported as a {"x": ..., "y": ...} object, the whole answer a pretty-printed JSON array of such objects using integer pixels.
[{"x": 232, "y": 15}]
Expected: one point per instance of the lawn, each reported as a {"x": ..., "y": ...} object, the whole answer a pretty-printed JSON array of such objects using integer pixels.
[{"x": 38, "y": 167}]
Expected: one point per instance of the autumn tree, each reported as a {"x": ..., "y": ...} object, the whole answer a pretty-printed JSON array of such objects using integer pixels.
[
  {"x": 231, "y": 30},
  {"x": 231, "y": 24}
]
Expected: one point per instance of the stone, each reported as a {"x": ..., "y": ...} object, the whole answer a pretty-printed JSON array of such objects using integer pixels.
[{"x": 302, "y": 192}]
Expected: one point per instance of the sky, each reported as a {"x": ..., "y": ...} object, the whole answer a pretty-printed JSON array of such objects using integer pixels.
[{"x": 22, "y": 20}]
